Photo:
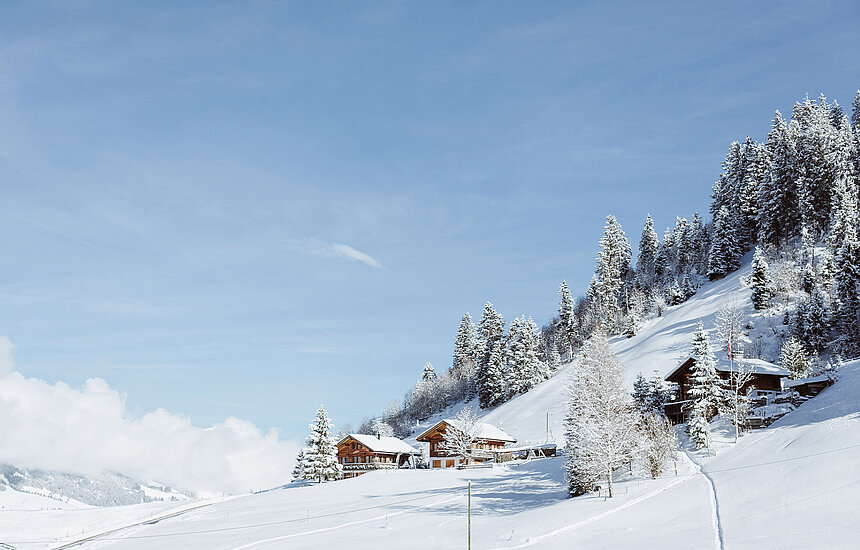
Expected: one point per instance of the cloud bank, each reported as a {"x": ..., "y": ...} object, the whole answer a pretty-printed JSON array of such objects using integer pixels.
[{"x": 88, "y": 430}]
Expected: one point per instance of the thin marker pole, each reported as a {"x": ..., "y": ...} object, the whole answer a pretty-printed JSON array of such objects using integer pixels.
[{"x": 469, "y": 519}]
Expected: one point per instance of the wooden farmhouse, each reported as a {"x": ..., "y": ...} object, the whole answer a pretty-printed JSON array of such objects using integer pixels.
[
  {"x": 362, "y": 453},
  {"x": 764, "y": 376},
  {"x": 489, "y": 446}
]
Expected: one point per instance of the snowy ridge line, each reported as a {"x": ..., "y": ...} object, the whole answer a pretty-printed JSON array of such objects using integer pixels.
[
  {"x": 223, "y": 529},
  {"x": 582, "y": 523},
  {"x": 348, "y": 524}
]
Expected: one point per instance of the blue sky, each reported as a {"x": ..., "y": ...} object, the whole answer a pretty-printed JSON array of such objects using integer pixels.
[{"x": 253, "y": 208}]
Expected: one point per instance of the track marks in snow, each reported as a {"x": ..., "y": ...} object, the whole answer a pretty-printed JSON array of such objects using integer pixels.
[
  {"x": 345, "y": 525},
  {"x": 606, "y": 513},
  {"x": 715, "y": 503}
]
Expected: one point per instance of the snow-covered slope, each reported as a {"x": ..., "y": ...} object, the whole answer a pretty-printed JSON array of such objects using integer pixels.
[
  {"x": 658, "y": 346},
  {"x": 793, "y": 485}
]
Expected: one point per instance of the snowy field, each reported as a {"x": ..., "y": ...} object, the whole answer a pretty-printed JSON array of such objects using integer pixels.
[{"x": 793, "y": 485}]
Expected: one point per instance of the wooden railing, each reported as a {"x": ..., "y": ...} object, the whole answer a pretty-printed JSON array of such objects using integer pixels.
[{"x": 368, "y": 466}]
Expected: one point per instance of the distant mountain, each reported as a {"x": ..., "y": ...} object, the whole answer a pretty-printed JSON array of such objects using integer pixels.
[{"x": 107, "y": 489}]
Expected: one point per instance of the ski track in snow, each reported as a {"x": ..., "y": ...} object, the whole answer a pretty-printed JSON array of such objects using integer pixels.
[
  {"x": 531, "y": 541},
  {"x": 715, "y": 503},
  {"x": 347, "y": 524}
]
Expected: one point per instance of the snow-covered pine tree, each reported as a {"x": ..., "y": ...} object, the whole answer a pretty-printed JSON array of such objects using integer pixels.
[
  {"x": 642, "y": 393},
  {"x": 660, "y": 393},
  {"x": 843, "y": 204},
  {"x": 855, "y": 127},
  {"x": 762, "y": 290},
  {"x": 855, "y": 112},
  {"x": 554, "y": 359},
  {"x": 811, "y": 321},
  {"x": 299, "y": 468},
  {"x": 567, "y": 319},
  {"x": 846, "y": 252},
  {"x": 779, "y": 214},
  {"x": 523, "y": 368},
  {"x": 684, "y": 242},
  {"x": 466, "y": 355},
  {"x": 494, "y": 389},
  {"x": 756, "y": 162},
  {"x": 646, "y": 261},
  {"x": 665, "y": 261},
  {"x": 321, "y": 450},
  {"x": 814, "y": 136},
  {"x": 703, "y": 244},
  {"x": 489, "y": 379},
  {"x": 726, "y": 248},
  {"x": 793, "y": 358},
  {"x": 613, "y": 267},
  {"x": 705, "y": 389},
  {"x": 728, "y": 188},
  {"x": 600, "y": 425},
  {"x": 428, "y": 375}
]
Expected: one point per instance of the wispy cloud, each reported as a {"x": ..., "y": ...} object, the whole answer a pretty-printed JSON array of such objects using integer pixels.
[
  {"x": 346, "y": 251},
  {"x": 317, "y": 247}
]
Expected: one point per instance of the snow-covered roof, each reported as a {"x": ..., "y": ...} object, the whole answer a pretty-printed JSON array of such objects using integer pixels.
[
  {"x": 383, "y": 444},
  {"x": 756, "y": 366},
  {"x": 801, "y": 381},
  {"x": 484, "y": 431}
]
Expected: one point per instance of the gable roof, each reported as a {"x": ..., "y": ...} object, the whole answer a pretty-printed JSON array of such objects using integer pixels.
[
  {"x": 485, "y": 431},
  {"x": 756, "y": 366},
  {"x": 384, "y": 444}
]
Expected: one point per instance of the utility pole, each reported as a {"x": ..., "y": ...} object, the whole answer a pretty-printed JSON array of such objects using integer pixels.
[
  {"x": 547, "y": 426},
  {"x": 469, "y": 519}
]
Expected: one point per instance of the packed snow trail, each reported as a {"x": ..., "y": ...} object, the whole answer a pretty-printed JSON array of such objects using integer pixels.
[{"x": 715, "y": 503}]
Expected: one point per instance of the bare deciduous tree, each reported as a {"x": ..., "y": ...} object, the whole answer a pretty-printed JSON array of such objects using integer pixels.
[{"x": 460, "y": 436}]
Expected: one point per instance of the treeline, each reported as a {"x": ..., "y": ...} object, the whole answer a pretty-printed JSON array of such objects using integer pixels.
[
  {"x": 491, "y": 361},
  {"x": 793, "y": 197}
]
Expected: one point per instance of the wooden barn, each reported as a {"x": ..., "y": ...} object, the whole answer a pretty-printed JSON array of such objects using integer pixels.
[
  {"x": 764, "y": 376},
  {"x": 488, "y": 447},
  {"x": 362, "y": 453}
]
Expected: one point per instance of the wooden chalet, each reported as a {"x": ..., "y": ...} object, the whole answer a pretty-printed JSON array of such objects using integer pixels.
[
  {"x": 362, "y": 453},
  {"x": 490, "y": 445},
  {"x": 764, "y": 376}
]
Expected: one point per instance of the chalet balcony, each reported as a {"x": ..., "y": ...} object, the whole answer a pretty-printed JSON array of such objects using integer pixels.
[{"x": 364, "y": 466}]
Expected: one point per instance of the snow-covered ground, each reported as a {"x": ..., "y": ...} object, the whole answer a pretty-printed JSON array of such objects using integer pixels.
[{"x": 795, "y": 484}]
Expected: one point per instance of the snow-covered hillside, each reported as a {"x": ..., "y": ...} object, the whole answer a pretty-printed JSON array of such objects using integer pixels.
[
  {"x": 660, "y": 344},
  {"x": 793, "y": 485},
  {"x": 106, "y": 489}
]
